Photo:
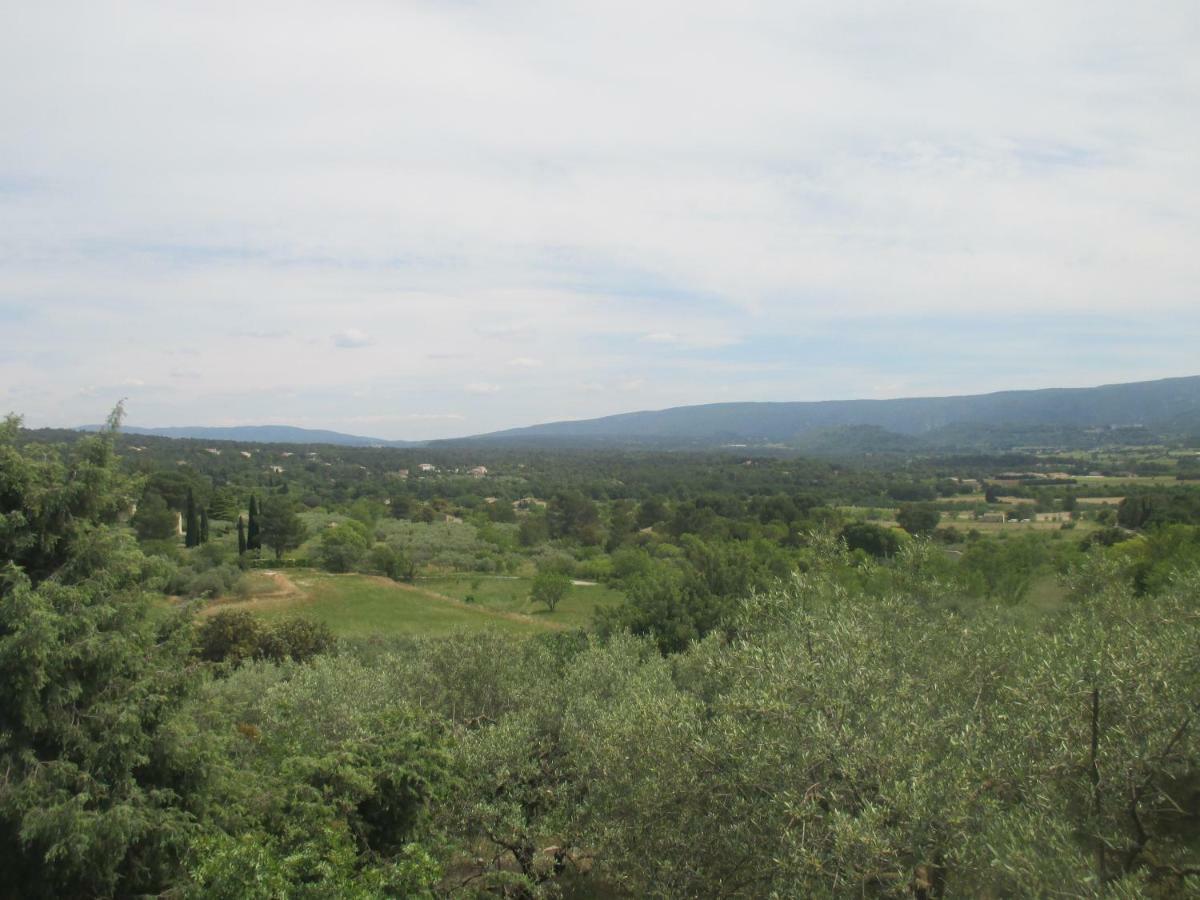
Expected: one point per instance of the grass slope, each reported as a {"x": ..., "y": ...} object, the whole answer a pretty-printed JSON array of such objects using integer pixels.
[
  {"x": 362, "y": 606},
  {"x": 511, "y": 595}
]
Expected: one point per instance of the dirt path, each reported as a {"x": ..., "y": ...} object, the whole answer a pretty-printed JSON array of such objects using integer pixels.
[{"x": 285, "y": 593}]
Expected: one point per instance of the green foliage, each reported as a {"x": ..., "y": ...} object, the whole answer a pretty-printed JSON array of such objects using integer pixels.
[
  {"x": 549, "y": 588},
  {"x": 1165, "y": 554},
  {"x": 391, "y": 561},
  {"x": 253, "y": 526},
  {"x": 342, "y": 546},
  {"x": 235, "y": 636},
  {"x": 153, "y": 521},
  {"x": 332, "y": 789},
  {"x": 572, "y": 515},
  {"x": 191, "y": 527},
  {"x": 281, "y": 529},
  {"x": 51, "y": 502},
  {"x": 88, "y": 799},
  {"x": 875, "y": 540},
  {"x": 1163, "y": 507},
  {"x": 1003, "y": 569},
  {"x": 918, "y": 518}
]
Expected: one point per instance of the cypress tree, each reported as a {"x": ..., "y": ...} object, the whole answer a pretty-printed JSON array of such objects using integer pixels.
[
  {"x": 204, "y": 526},
  {"x": 253, "y": 539},
  {"x": 191, "y": 534},
  {"x": 241, "y": 536}
]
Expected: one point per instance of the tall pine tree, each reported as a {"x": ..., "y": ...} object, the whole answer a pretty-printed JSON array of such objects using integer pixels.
[
  {"x": 191, "y": 533},
  {"x": 204, "y": 526},
  {"x": 253, "y": 538},
  {"x": 241, "y": 536}
]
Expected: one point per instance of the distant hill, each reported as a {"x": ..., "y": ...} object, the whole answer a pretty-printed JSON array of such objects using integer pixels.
[
  {"x": 1170, "y": 403},
  {"x": 263, "y": 434}
]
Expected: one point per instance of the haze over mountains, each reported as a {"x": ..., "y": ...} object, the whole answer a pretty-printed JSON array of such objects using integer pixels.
[
  {"x": 263, "y": 434},
  {"x": 909, "y": 424}
]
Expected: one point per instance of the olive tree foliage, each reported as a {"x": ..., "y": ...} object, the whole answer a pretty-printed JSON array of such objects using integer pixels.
[
  {"x": 832, "y": 743},
  {"x": 91, "y": 784},
  {"x": 330, "y": 784},
  {"x": 865, "y": 748}
]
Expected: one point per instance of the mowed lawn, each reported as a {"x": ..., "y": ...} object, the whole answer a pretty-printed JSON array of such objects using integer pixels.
[
  {"x": 511, "y": 595},
  {"x": 363, "y": 606}
]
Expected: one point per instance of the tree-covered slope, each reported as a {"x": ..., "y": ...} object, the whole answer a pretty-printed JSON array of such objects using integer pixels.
[{"x": 1171, "y": 402}]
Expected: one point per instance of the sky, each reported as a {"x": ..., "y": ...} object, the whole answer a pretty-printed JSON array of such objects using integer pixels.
[{"x": 426, "y": 219}]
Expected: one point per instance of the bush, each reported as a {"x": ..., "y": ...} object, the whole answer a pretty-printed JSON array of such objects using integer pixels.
[
  {"x": 218, "y": 581},
  {"x": 296, "y": 639},
  {"x": 342, "y": 547},
  {"x": 236, "y": 635},
  {"x": 873, "y": 539},
  {"x": 918, "y": 518},
  {"x": 392, "y": 562},
  {"x": 232, "y": 635}
]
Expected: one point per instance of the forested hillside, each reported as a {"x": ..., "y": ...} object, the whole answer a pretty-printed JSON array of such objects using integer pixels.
[{"x": 1172, "y": 404}]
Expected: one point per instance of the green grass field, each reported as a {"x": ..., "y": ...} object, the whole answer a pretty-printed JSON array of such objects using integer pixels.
[
  {"x": 364, "y": 606},
  {"x": 511, "y": 595}
]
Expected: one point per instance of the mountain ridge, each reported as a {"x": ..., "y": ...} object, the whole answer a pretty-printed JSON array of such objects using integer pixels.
[
  {"x": 261, "y": 434},
  {"x": 1171, "y": 402}
]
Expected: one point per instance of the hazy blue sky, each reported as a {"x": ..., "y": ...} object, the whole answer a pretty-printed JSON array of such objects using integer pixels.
[{"x": 415, "y": 220}]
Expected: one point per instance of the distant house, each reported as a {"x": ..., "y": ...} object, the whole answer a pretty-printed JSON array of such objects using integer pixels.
[
  {"x": 427, "y": 467},
  {"x": 246, "y": 453},
  {"x": 213, "y": 450},
  {"x": 278, "y": 470},
  {"x": 528, "y": 503},
  {"x": 478, "y": 472}
]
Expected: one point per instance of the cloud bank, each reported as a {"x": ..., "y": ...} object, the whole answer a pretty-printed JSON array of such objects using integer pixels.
[{"x": 537, "y": 211}]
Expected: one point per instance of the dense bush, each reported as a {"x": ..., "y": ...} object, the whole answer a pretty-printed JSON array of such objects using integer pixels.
[{"x": 236, "y": 635}]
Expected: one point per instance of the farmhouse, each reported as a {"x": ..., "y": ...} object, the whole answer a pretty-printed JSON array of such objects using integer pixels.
[{"x": 478, "y": 472}]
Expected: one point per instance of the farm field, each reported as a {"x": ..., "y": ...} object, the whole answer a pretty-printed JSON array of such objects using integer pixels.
[
  {"x": 363, "y": 606},
  {"x": 1081, "y": 528}
]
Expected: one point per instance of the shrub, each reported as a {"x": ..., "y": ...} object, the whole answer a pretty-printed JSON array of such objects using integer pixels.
[{"x": 236, "y": 635}]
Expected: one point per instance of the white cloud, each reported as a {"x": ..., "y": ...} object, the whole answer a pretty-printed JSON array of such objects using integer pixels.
[
  {"x": 481, "y": 387},
  {"x": 350, "y": 338},
  {"x": 525, "y": 362},
  {"x": 690, "y": 341},
  {"x": 499, "y": 192}
]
